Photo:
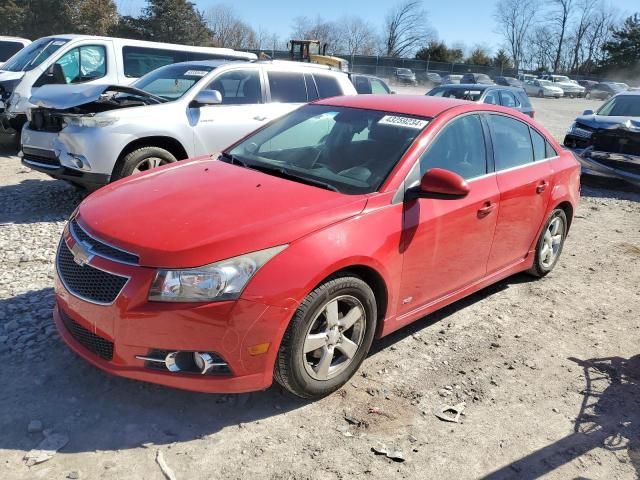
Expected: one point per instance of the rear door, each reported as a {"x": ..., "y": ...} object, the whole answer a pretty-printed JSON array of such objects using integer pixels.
[
  {"x": 446, "y": 243},
  {"x": 524, "y": 180}
]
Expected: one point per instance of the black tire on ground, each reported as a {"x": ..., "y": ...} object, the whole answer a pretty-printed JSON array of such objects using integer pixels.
[
  {"x": 539, "y": 269},
  {"x": 541, "y": 93},
  {"x": 587, "y": 96},
  {"x": 130, "y": 162},
  {"x": 290, "y": 368}
]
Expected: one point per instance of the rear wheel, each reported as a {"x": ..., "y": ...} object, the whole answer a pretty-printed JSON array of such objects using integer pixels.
[
  {"x": 550, "y": 243},
  {"x": 541, "y": 93},
  {"x": 328, "y": 338},
  {"x": 141, "y": 160},
  {"x": 587, "y": 96}
]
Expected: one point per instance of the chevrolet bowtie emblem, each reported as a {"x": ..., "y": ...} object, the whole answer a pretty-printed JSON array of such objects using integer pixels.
[{"x": 81, "y": 253}]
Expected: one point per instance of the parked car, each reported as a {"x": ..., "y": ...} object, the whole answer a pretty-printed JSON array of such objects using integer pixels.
[
  {"x": 604, "y": 90},
  {"x": 432, "y": 79},
  {"x": 608, "y": 141},
  {"x": 587, "y": 84},
  {"x": 367, "y": 84},
  {"x": 511, "y": 97},
  {"x": 526, "y": 77},
  {"x": 90, "y": 135},
  {"x": 286, "y": 256},
  {"x": 472, "y": 78},
  {"x": 508, "y": 82},
  {"x": 9, "y": 46},
  {"x": 623, "y": 85},
  {"x": 542, "y": 88},
  {"x": 569, "y": 87},
  {"x": 86, "y": 60},
  {"x": 404, "y": 76},
  {"x": 451, "y": 79}
]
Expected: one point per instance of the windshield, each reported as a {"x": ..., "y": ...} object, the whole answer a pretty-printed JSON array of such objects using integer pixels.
[
  {"x": 172, "y": 81},
  {"x": 348, "y": 150},
  {"x": 483, "y": 78},
  {"x": 404, "y": 71},
  {"x": 459, "y": 93},
  {"x": 33, "y": 55},
  {"x": 621, "y": 106},
  {"x": 544, "y": 83},
  {"x": 561, "y": 78}
]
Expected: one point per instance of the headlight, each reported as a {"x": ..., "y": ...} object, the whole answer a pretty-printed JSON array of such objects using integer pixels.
[
  {"x": 222, "y": 280},
  {"x": 86, "y": 121}
]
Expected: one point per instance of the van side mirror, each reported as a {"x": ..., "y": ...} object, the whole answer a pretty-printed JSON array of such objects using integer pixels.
[
  {"x": 442, "y": 184},
  {"x": 588, "y": 112},
  {"x": 207, "y": 97}
]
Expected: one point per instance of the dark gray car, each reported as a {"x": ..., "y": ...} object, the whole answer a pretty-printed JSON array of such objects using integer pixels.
[
  {"x": 366, "y": 84},
  {"x": 511, "y": 97}
]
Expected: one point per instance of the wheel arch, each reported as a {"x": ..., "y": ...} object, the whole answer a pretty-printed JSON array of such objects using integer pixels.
[
  {"x": 170, "y": 144},
  {"x": 567, "y": 208}
]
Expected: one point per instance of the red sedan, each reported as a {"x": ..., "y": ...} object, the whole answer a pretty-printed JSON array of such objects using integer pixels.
[{"x": 286, "y": 255}]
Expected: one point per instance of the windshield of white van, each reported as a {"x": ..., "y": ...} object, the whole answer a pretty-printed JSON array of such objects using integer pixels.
[
  {"x": 33, "y": 55},
  {"x": 172, "y": 81}
]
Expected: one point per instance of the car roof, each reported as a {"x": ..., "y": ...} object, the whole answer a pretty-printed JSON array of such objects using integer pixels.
[
  {"x": 404, "y": 104},
  {"x": 478, "y": 86}
]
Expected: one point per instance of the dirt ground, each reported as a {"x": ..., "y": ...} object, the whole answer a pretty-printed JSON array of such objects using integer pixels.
[{"x": 549, "y": 371}]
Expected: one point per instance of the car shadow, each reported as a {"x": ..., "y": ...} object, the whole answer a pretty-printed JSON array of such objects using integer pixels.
[
  {"x": 34, "y": 200},
  {"x": 608, "y": 188},
  {"x": 43, "y": 380},
  {"x": 609, "y": 418}
]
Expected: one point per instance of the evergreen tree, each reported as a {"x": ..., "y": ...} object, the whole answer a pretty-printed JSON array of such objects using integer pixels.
[
  {"x": 502, "y": 59},
  {"x": 176, "y": 21},
  {"x": 623, "y": 51},
  {"x": 12, "y": 17},
  {"x": 92, "y": 17}
]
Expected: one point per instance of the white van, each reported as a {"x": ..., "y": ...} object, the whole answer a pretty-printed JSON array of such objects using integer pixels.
[
  {"x": 9, "y": 46},
  {"x": 85, "y": 59}
]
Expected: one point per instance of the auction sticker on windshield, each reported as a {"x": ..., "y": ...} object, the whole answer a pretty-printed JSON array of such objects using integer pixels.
[
  {"x": 407, "y": 122},
  {"x": 195, "y": 73}
]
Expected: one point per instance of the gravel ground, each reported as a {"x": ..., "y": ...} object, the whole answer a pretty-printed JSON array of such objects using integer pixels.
[{"x": 549, "y": 371}]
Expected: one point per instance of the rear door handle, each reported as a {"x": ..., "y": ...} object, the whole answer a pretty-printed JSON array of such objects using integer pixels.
[
  {"x": 486, "y": 210},
  {"x": 542, "y": 186},
  {"x": 259, "y": 118}
]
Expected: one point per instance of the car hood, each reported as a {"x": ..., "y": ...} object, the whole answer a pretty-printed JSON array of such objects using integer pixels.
[
  {"x": 600, "y": 121},
  {"x": 201, "y": 211},
  {"x": 63, "y": 97},
  {"x": 6, "y": 75}
]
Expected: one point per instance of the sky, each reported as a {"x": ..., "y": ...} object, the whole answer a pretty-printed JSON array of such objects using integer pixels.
[{"x": 467, "y": 21}]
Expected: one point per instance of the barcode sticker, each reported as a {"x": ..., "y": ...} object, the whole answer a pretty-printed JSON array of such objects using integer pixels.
[
  {"x": 406, "y": 122},
  {"x": 195, "y": 73}
]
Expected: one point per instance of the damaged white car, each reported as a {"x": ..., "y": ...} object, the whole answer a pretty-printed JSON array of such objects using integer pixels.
[{"x": 91, "y": 135}]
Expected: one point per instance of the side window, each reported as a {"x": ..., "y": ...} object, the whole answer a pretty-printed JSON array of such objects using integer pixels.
[
  {"x": 328, "y": 86},
  {"x": 539, "y": 149},
  {"x": 512, "y": 142},
  {"x": 238, "y": 87},
  {"x": 550, "y": 151},
  {"x": 378, "y": 87},
  {"x": 81, "y": 64},
  {"x": 460, "y": 147},
  {"x": 492, "y": 98},
  {"x": 362, "y": 85},
  {"x": 287, "y": 87},
  {"x": 139, "y": 61},
  {"x": 508, "y": 99}
]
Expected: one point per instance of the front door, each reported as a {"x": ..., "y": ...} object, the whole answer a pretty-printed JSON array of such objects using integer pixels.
[
  {"x": 524, "y": 179},
  {"x": 446, "y": 243}
]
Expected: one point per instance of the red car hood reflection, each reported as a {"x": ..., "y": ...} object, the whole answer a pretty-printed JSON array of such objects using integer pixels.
[{"x": 198, "y": 212}]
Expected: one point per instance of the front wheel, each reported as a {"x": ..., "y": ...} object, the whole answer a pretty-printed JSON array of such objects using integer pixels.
[
  {"x": 328, "y": 338},
  {"x": 541, "y": 93},
  {"x": 550, "y": 243},
  {"x": 141, "y": 160}
]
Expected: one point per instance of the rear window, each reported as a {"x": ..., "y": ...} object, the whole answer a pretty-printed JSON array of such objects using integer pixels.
[
  {"x": 512, "y": 142},
  {"x": 287, "y": 87},
  {"x": 139, "y": 61},
  {"x": 328, "y": 86},
  {"x": 8, "y": 49},
  {"x": 472, "y": 94}
]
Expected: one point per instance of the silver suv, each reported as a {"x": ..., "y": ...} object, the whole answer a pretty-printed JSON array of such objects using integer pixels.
[{"x": 92, "y": 135}]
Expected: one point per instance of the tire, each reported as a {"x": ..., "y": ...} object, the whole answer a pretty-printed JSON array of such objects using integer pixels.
[
  {"x": 140, "y": 160},
  {"x": 541, "y": 93},
  {"x": 587, "y": 96},
  {"x": 301, "y": 373},
  {"x": 543, "y": 264}
]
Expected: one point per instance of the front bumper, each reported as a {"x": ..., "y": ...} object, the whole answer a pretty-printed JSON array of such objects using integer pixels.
[
  {"x": 135, "y": 327},
  {"x": 88, "y": 180},
  {"x": 610, "y": 165}
]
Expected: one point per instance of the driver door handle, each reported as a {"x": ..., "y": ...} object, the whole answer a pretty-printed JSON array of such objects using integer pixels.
[
  {"x": 542, "y": 186},
  {"x": 487, "y": 209}
]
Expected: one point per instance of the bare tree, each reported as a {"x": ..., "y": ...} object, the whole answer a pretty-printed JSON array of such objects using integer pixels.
[
  {"x": 515, "y": 18},
  {"x": 406, "y": 28},
  {"x": 228, "y": 30},
  {"x": 604, "y": 18},
  {"x": 582, "y": 27},
  {"x": 305, "y": 28},
  {"x": 356, "y": 35},
  {"x": 561, "y": 11}
]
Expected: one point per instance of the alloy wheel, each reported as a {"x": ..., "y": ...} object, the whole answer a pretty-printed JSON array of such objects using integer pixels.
[
  {"x": 552, "y": 241},
  {"x": 149, "y": 163},
  {"x": 334, "y": 336}
]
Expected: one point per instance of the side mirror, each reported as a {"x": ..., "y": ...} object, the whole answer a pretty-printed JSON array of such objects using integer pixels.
[
  {"x": 442, "y": 184},
  {"x": 588, "y": 112},
  {"x": 392, "y": 92},
  {"x": 207, "y": 97}
]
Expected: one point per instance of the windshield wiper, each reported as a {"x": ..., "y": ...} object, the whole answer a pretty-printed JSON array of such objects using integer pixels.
[
  {"x": 284, "y": 173},
  {"x": 233, "y": 160}
]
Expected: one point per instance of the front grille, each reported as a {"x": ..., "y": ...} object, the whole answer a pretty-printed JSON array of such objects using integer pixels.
[
  {"x": 87, "y": 282},
  {"x": 92, "y": 342},
  {"x": 40, "y": 155},
  {"x": 43, "y": 120},
  {"x": 101, "y": 249}
]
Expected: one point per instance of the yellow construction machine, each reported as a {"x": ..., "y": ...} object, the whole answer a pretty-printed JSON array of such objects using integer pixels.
[{"x": 309, "y": 51}]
